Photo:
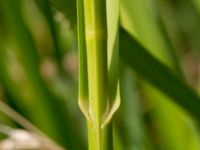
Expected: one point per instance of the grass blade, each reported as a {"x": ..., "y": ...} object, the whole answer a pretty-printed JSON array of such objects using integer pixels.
[
  {"x": 139, "y": 59},
  {"x": 32, "y": 97}
]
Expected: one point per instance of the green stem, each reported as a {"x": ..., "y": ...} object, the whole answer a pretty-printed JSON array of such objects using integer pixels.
[
  {"x": 93, "y": 72},
  {"x": 100, "y": 139},
  {"x": 96, "y": 45}
]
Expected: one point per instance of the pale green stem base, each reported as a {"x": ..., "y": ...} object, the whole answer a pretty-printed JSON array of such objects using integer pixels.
[{"x": 100, "y": 139}]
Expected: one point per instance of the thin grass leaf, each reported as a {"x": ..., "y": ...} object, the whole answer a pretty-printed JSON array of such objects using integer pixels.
[
  {"x": 134, "y": 129},
  {"x": 83, "y": 71},
  {"x": 155, "y": 72},
  {"x": 46, "y": 8},
  {"x": 140, "y": 19},
  {"x": 32, "y": 97},
  {"x": 113, "y": 46},
  {"x": 148, "y": 29}
]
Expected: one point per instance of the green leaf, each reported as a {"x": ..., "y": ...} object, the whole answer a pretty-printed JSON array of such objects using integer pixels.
[
  {"x": 112, "y": 8},
  {"x": 142, "y": 19},
  {"x": 139, "y": 19},
  {"x": 25, "y": 86},
  {"x": 83, "y": 71},
  {"x": 130, "y": 104},
  {"x": 158, "y": 74},
  {"x": 113, "y": 46},
  {"x": 46, "y": 9}
]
